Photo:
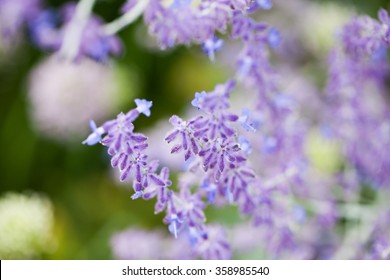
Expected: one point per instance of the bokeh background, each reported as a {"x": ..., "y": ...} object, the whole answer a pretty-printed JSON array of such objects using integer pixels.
[{"x": 58, "y": 198}]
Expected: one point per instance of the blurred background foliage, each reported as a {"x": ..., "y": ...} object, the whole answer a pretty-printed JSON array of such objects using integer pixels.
[{"x": 88, "y": 203}]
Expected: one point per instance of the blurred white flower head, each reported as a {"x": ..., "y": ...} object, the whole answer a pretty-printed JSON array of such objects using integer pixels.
[
  {"x": 64, "y": 96},
  {"x": 26, "y": 226}
]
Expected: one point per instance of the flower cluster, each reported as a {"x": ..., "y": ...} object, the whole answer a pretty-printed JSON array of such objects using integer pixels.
[
  {"x": 276, "y": 136},
  {"x": 184, "y": 22},
  {"x": 127, "y": 151},
  {"x": 365, "y": 36},
  {"x": 184, "y": 210},
  {"x": 75, "y": 32},
  {"x": 356, "y": 93},
  {"x": 211, "y": 144},
  {"x": 295, "y": 178}
]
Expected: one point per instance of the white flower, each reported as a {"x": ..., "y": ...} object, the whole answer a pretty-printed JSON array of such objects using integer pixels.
[
  {"x": 64, "y": 96},
  {"x": 26, "y": 226}
]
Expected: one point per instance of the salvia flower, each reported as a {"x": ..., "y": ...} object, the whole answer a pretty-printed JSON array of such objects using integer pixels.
[
  {"x": 357, "y": 87},
  {"x": 212, "y": 142},
  {"x": 127, "y": 149},
  {"x": 257, "y": 161}
]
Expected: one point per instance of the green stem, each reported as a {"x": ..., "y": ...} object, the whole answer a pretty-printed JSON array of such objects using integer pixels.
[
  {"x": 126, "y": 19},
  {"x": 72, "y": 38}
]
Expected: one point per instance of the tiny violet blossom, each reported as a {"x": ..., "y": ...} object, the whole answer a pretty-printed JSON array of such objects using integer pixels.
[
  {"x": 274, "y": 37},
  {"x": 174, "y": 222},
  {"x": 246, "y": 122},
  {"x": 245, "y": 145},
  {"x": 211, "y": 190},
  {"x": 264, "y": 4},
  {"x": 211, "y": 46},
  {"x": 143, "y": 106},
  {"x": 95, "y": 136},
  {"x": 198, "y": 98}
]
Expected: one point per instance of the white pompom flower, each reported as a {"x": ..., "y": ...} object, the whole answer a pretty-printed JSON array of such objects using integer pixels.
[{"x": 26, "y": 226}]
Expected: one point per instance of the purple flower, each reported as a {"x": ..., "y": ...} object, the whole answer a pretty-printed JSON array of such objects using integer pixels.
[
  {"x": 211, "y": 190},
  {"x": 14, "y": 14},
  {"x": 265, "y": 173},
  {"x": 95, "y": 136},
  {"x": 211, "y": 46},
  {"x": 127, "y": 149},
  {"x": 273, "y": 37},
  {"x": 357, "y": 85},
  {"x": 213, "y": 143},
  {"x": 198, "y": 99},
  {"x": 184, "y": 22},
  {"x": 159, "y": 189},
  {"x": 43, "y": 30},
  {"x": 364, "y": 36},
  {"x": 216, "y": 101},
  {"x": 202, "y": 129},
  {"x": 245, "y": 145},
  {"x": 174, "y": 224},
  {"x": 381, "y": 249},
  {"x": 264, "y": 4},
  {"x": 76, "y": 37},
  {"x": 184, "y": 211},
  {"x": 143, "y": 106},
  {"x": 180, "y": 3},
  {"x": 384, "y": 18},
  {"x": 246, "y": 122},
  {"x": 213, "y": 244},
  {"x": 187, "y": 134}
]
